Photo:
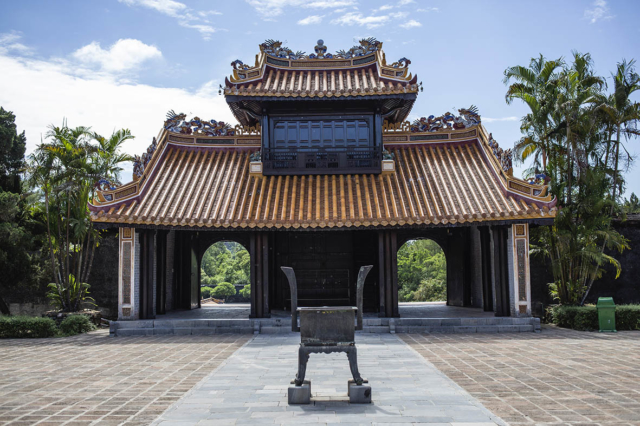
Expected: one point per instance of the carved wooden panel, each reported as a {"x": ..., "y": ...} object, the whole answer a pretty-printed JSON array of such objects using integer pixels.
[
  {"x": 126, "y": 273},
  {"x": 522, "y": 280}
]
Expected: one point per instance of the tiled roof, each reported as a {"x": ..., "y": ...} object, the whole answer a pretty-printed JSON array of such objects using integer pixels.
[
  {"x": 211, "y": 187},
  {"x": 321, "y": 83}
]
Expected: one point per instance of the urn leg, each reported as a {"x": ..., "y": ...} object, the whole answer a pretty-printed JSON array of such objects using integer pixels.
[
  {"x": 352, "y": 355},
  {"x": 303, "y": 358}
]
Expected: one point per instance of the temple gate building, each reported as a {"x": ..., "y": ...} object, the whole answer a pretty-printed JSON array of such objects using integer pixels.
[{"x": 324, "y": 174}]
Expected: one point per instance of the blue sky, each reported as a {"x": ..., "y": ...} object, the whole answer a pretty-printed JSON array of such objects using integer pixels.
[{"x": 124, "y": 63}]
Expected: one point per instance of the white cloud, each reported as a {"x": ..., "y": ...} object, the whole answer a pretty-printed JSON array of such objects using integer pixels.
[
  {"x": 600, "y": 11},
  {"x": 9, "y": 42},
  {"x": 385, "y": 7},
  {"x": 167, "y": 7},
  {"x": 428, "y": 9},
  {"x": 405, "y": 2},
  {"x": 491, "y": 120},
  {"x": 269, "y": 9},
  {"x": 123, "y": 55},
  {"x": 411, "y": 24},
  {"x": 399, "y": 15},
  {"x": 185, "y": 16},
  {"x": 356, "y": 18},
  {"x": 309, "y": 20},
  {"x": 43, "y": 92}
]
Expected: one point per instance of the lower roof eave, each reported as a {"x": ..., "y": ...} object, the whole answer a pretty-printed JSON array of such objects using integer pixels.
[{"x": 531, "y": 221}]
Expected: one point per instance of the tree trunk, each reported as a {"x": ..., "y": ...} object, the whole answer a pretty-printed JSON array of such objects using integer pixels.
[
  {"x": 615, "y": 171},
  {"x": 67, "y": 252},
  {"x": 569, "y": 165}
]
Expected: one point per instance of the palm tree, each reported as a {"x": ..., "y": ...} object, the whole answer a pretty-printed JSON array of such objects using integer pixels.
[
  {"x": 621, "y": 112},
  {"x": 578, "y": 87},
  {"x": 535, "y": 86},
  {"x": 66, "y": 169}
]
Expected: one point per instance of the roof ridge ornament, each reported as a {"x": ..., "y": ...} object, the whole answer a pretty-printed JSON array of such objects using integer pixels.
[
  {"x": 275, "y": 48},
  {"x": 176, "y": 123},
  {"x": 468, "y": 118},
  {"x": 504, "y": 157}
]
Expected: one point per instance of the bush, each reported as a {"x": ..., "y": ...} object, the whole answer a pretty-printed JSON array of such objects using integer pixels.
[
  {"x": 76, "y": 324},
  {"x": 628, "y": 317},
  {"x": 586, "y": 317},
  {"x": 246, "y": 291},
  {"x": 20, "y": 326},
  {"x": 224, "y": 289},
  {"x": 205, "y": 292}
]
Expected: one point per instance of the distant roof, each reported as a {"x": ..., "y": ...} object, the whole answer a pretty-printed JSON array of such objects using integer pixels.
[{"x": 360, "y": 72}]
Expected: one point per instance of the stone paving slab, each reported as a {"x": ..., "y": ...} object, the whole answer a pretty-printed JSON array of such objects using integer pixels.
[
  {"x": 250, "y": 387},
  {"x": 93, "y": 379},
  {"x": 558, "y": 376}
]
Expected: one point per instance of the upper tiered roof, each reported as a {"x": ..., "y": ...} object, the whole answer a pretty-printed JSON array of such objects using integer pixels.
[{"x": 360, "y": 72}]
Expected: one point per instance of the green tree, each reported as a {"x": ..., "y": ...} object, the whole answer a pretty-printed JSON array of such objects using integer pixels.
[
  {"x": 632, "y": 205},
  {"x": 535, "y": 86},
  {"x": 225, "y": 261},
  {"x": 623, "y": 114},
  {"x": 246, "y": 291},
  {"x": 422, "y": 272},
  {"x": 12, "y": 149},
  {"x": 571, "y": 120},
  {"x": 19, "y": 237},
  {"x": 224, "y": 289},
  {"x": 66, "y": 170}
]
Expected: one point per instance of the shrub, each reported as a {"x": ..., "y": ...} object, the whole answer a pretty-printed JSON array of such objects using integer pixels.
[
  {"x": 246, "y": 291},
  {"x": 76, "y": 324},
  {"x": 20, "y": 326},
  {"x": 628, "y": 317},
  {"x": 586, "y": 317},
  {"x": 205, "y": 292},
  {"x": 224, "y": 289}
]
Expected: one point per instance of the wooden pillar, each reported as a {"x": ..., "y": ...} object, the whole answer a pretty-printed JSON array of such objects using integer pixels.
[
  {"x": 259, "y": 251},
  {"x": 382, "y": 311},
  {"x": 147, "y": 281},
  {"x": 485, "y": 261},
  {"x": 161, "y": 272},
  {"x": 388, "y": 273},
  {"x": 253, "y": 252},
  {"x": 501, "y": 272}
]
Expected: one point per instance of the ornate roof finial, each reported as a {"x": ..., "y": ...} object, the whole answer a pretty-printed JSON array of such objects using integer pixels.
[{"x": 320, "y": 49}]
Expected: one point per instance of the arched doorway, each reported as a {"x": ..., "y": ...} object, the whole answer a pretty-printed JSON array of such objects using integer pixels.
[
  {"x": 422, "y": 272},
  {"x": 225, "y": 272}
]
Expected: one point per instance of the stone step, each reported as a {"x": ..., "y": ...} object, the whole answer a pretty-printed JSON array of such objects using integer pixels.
[{"x": 278, "y": 326}]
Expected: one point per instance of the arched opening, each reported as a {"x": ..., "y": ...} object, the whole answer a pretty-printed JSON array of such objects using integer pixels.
[
  {"x": 422, "y": 272},
  {"x": 225, "y": 274}
]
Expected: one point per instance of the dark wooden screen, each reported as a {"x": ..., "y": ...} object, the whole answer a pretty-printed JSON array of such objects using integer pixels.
[
  {"x": 322, "y": 133},
  {"x": 321, "y": 145}
]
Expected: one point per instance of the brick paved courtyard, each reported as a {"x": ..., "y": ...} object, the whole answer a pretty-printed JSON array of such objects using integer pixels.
[
  {"x": 95, "y": 379},
  {"x": 554, "y": 377},
  {"x": 557, "y": 377}
]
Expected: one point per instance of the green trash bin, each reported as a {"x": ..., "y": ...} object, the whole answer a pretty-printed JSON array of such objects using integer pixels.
[{"x": 606, "y": 314}]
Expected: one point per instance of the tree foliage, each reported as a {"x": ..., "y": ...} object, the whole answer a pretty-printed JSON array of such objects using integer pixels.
[
  {"x": 225, "y": 261},
  {"x": 422, "y": 272},
  {"x": 223, "y": 289},
  {"x": 20, "y": 262},
  {"x": 65, "y": 171},
  {"x": 573, "y": 134}
]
